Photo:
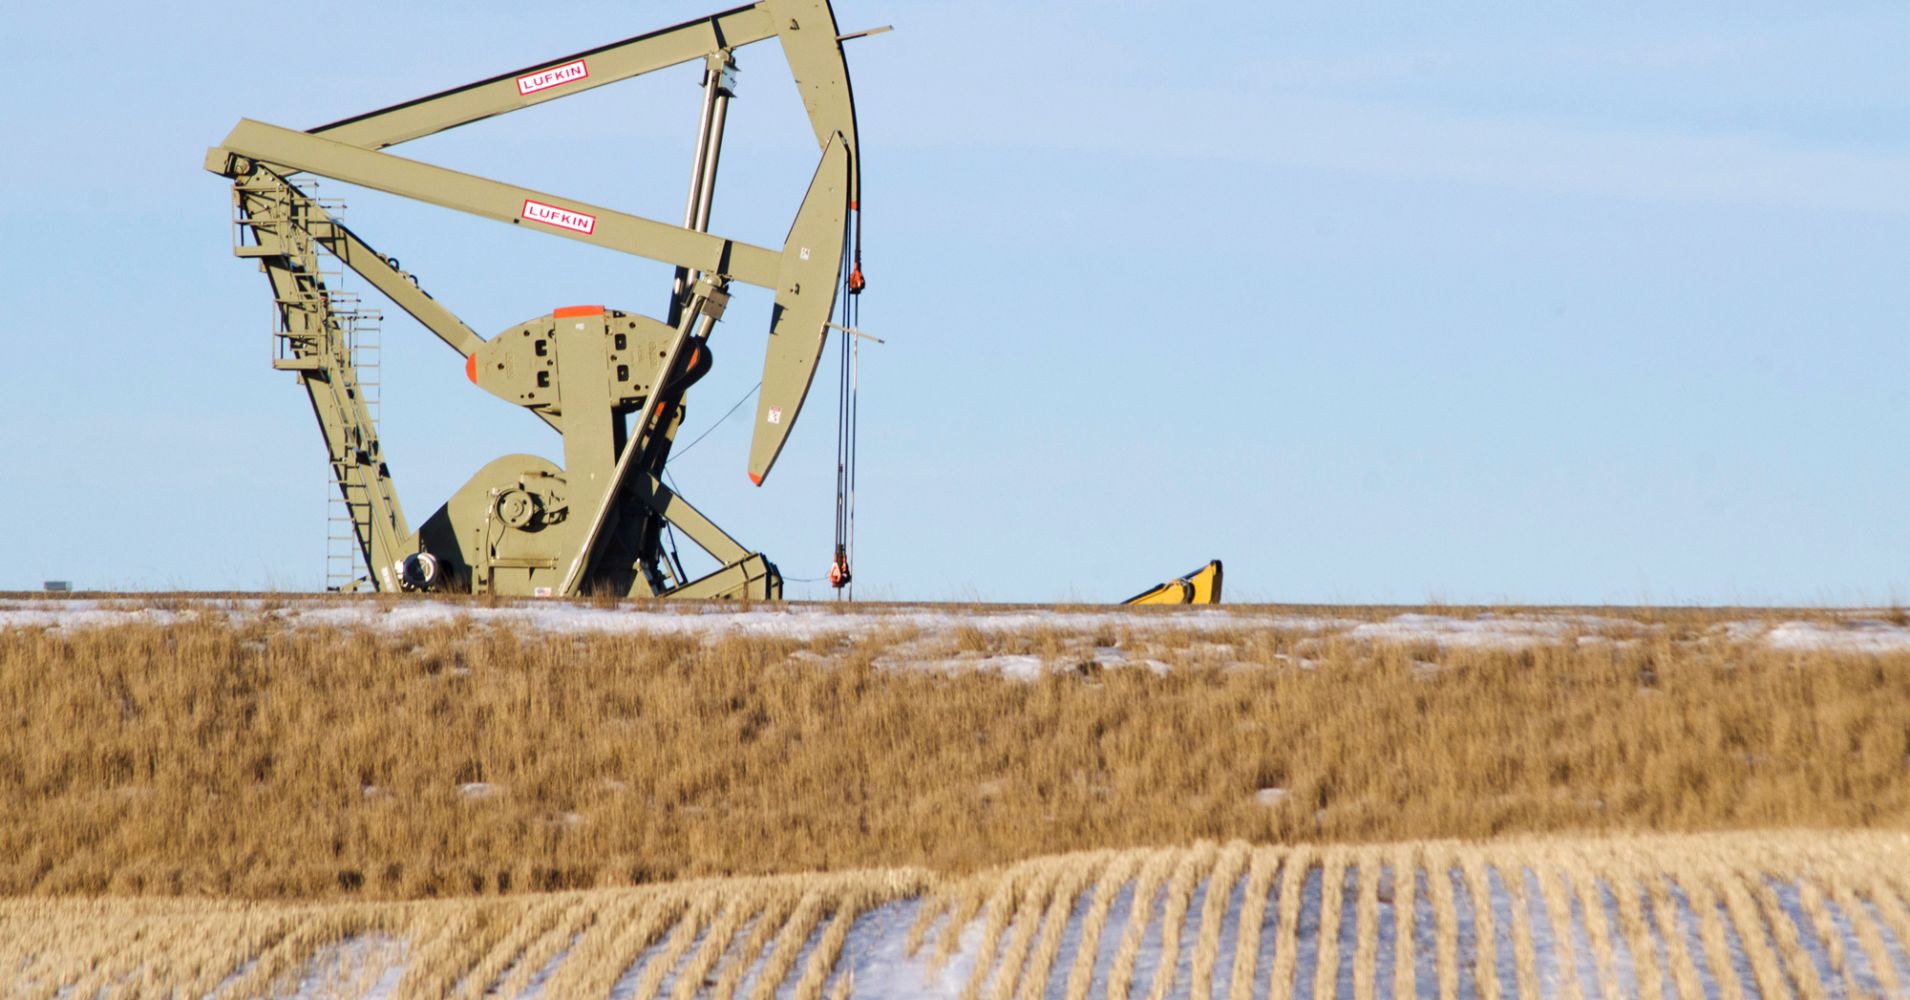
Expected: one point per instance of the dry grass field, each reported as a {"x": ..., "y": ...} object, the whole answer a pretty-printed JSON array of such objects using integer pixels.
[
  {"x": 425, "y": 799},
  {"x": 248, "y": 758}
]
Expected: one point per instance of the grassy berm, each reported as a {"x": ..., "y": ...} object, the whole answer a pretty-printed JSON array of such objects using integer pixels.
[{"x": 258, "y": 760}]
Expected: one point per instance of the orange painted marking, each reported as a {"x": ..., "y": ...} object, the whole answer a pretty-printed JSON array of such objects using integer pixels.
[
  {"x": 577, "y": 311},
  {"x": 470, "y": 368}
]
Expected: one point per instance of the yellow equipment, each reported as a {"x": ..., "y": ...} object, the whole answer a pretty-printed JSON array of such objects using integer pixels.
[{"x": 1202, "y": 586}]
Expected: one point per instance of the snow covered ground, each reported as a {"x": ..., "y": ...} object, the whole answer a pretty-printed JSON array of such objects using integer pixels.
[{"x": 930, "y": 625}]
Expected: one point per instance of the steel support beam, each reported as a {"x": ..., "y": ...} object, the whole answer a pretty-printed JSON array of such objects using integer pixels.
[
  {"x": 504, "y": 93},
  {"x": 538, "y": 210},
  {"x": 394, "y": 284}
]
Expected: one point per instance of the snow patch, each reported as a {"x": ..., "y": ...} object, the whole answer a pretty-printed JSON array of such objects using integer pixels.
[
  {"x": 1487, "y": 630},
  {"x": 1846, "y": 637},
  {"x": 929, "y": 637}
]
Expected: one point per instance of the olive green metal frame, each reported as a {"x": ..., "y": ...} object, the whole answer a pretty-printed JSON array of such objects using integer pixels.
[{"x": 522, "y": 525}]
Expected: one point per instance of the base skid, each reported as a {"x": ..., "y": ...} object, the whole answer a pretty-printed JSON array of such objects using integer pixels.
[{"x": 753, "y": 579}]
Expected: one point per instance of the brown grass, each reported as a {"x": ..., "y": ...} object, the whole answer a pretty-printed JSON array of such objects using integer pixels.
[{"x": 258, "y": 761}]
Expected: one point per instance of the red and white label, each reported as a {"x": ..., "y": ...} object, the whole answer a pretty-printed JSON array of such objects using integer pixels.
[
  {"x": 556, "y": 76},
  {"x": 562, "y": 218}
]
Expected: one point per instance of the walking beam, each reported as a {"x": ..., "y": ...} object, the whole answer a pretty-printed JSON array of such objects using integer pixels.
[
  {"x": 553, "y": 78},
  {"x": 549, "y": 213}
]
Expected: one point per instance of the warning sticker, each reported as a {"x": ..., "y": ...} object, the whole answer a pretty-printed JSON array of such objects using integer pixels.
[
  {"x": 775, "y": 415},
  {"x": 556, "y": 76},
  {"x": 562, "y": 218}
]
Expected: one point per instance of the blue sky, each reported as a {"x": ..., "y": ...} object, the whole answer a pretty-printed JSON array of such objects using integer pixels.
[{"x": 1377, "y": 302}]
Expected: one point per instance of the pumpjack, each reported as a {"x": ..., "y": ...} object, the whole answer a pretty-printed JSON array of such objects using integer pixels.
[{"x": 611, "y": 381}]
